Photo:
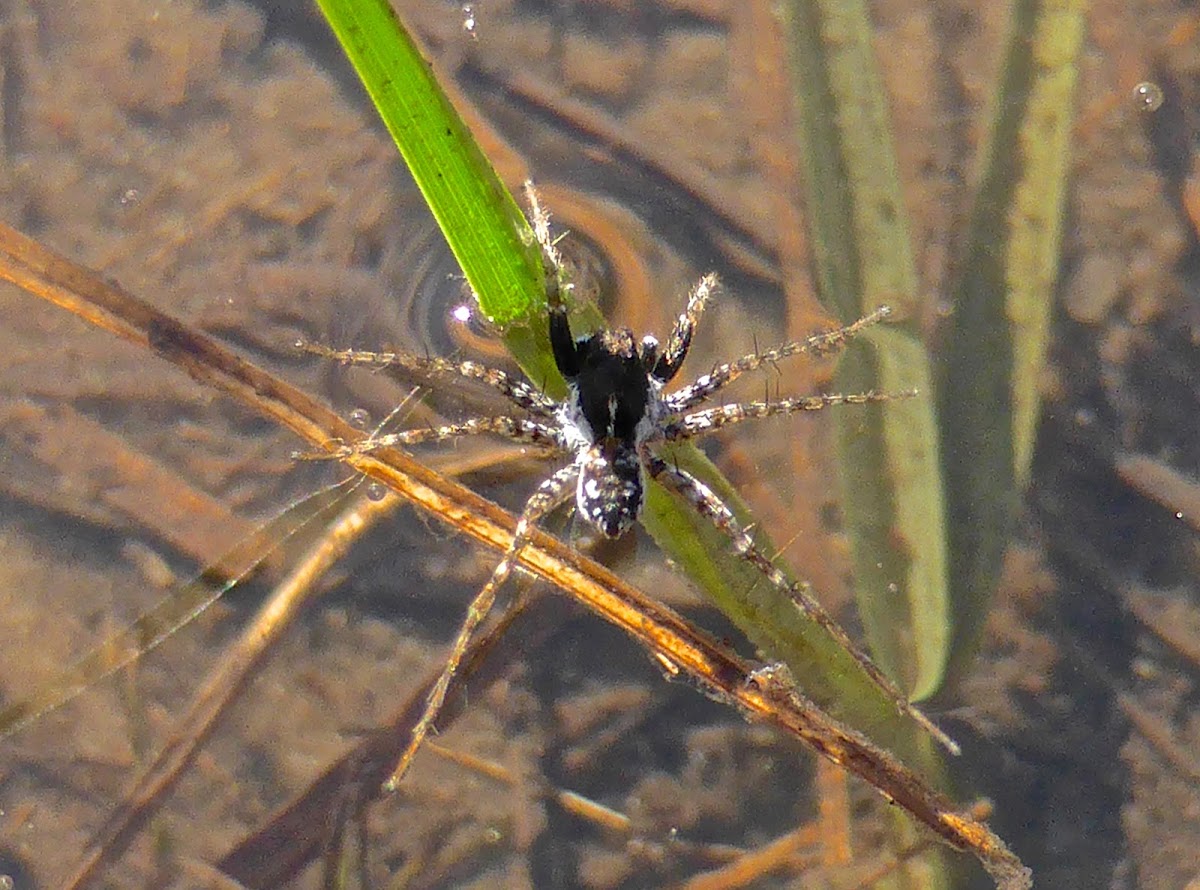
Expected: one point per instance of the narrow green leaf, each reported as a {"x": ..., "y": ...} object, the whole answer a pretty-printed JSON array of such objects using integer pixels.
[
  {"x": 889, "y": 509},
  {"x": 825, "y": 671},
  {"x": 889, "y": 464},
  {"x": 492, "y": 241},
  {"x": 996, "y": 343},
  {"x": 485, "y": 228}
]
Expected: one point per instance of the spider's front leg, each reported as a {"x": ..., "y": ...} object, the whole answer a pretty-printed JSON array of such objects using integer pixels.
[
  {"x": 549, "y": 495},
  {"x": 676, "y": 349},
  {"x": 562, "y": 341},
  {"x": 705, "y": 501}
]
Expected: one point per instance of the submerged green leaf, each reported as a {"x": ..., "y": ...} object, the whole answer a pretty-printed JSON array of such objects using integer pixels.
[
  {"x": 485, "y": 228},
  {"x": 890, "y": 509},
  {"x": 891, "y": 475},
  {"x": 995, "y": 347}
]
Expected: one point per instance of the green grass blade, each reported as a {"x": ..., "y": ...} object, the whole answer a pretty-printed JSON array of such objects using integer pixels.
[
  {"x": 485, "y": 228},
  {"x": 492, "y": 241},
  {"x": 886, "y": 455},
  {"x": 996, "y": 345},
  {"x": 889, "y": 464}
]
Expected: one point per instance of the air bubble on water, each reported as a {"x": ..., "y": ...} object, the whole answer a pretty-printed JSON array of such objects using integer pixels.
[
  {"x": 359, "y": 418},
  {"x": 1148, "y": 95},
  {"x": 376, "y": 491}
]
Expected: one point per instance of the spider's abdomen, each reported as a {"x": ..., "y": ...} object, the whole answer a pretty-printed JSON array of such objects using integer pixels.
[{"x": 611, "y": 489}]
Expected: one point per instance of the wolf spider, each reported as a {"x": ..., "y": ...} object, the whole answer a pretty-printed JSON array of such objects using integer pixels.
[{"x": 615, "y": 412}]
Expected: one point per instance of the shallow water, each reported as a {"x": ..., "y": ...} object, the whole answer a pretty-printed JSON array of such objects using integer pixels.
[{"x": 208, "y": 159}]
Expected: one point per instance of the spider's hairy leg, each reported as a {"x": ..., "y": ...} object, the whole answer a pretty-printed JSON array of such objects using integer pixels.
[
  {"x": 520, "y": 393},
  {"x": 562, "y": 341},
  {"x": 677, "y": 345},
  {"x": 552, "y": 259},
  {"x": 515, "y": 429},
  {"x": 549, "y": 495},
  {"x": 706, "y": 502},
  {"x": 710, "y": 420},
  {"x": 708, "y": 385},
  {"x": 539, "y": 218}
]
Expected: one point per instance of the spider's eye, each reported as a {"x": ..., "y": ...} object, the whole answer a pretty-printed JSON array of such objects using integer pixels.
[{"x": 610, "y": 487}]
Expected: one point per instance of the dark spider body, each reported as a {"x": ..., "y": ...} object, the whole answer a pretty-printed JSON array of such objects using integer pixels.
[{"x": 606, "y": 419}]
